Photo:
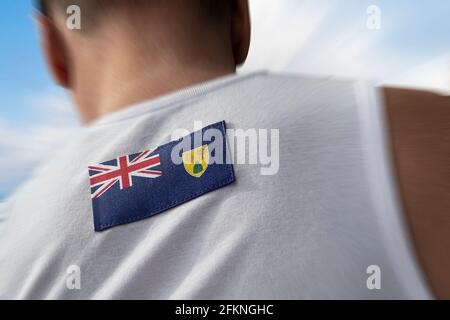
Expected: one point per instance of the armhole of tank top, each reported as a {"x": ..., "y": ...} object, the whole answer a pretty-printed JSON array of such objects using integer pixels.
[{"x": 384, "y": 189}]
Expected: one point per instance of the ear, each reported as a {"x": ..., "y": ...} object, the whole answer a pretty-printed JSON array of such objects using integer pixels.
[
  {"x": 54, "y": 50},
  {"x": 240, "y": 30}
]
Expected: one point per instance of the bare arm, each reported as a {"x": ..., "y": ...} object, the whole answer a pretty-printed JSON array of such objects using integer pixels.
[{"x": 419, "y": 124}]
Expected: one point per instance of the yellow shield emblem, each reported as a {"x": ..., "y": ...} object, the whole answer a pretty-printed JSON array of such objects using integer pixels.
[{"x": 196, "y": 161}]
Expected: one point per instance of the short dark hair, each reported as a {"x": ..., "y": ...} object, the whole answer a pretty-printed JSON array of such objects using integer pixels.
[
  {"x": 41, "y": 6},
  {"x": 213, "y": 8},
  {"x": 44, "y": 6}
]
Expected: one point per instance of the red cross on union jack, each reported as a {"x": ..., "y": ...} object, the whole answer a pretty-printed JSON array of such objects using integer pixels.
[{"x": 103, "y": 176}]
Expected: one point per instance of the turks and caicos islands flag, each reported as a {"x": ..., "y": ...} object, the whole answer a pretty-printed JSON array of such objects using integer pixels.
[{"x": 133, "y": 187}]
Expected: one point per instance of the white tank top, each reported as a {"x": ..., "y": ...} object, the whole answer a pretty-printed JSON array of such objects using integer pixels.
[{"x": 328, "y": 224}]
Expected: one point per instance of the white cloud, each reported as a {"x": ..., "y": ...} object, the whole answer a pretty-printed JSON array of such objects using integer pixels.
[
  {"x": 52, "y": 107},
  {"x": 311, "y": 37},
  {"x": 433, "y": 75},
  {"x": 280, "y": 28},
  {"x": 24, "y": 146}
]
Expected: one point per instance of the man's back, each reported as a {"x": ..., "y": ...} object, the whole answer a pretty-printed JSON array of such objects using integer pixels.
[{"x": 311, "y": 228}]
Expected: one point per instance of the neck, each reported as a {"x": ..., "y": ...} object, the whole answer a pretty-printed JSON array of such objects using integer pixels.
[
  {"x": 114, "y": 74},
  {"x": 114, "y": 94},
  {"x": 111, "y": 90}
]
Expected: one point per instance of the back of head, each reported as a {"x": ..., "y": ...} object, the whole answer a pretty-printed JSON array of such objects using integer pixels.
[{"x": 122, "y": 41}]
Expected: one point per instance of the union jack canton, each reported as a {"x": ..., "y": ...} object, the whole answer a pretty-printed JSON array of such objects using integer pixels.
[{"x": 122, "y": 170}]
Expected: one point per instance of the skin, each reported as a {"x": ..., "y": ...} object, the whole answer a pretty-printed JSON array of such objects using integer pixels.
[
  {"x": 105, "y": 74},
  {"x": 420, "y": 137}
]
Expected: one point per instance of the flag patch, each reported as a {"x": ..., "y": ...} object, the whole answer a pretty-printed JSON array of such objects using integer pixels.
[{"x": 133, "y": 187}]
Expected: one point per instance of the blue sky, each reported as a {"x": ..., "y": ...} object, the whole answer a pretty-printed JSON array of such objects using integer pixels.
[
  {"x": 325, "y": 37},
  {"x": 33, "y": 112},
  {"x": 23, "y": 70}
]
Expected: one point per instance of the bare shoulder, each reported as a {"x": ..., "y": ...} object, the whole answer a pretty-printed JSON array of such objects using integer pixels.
[{"x": 419, "y": 125}]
